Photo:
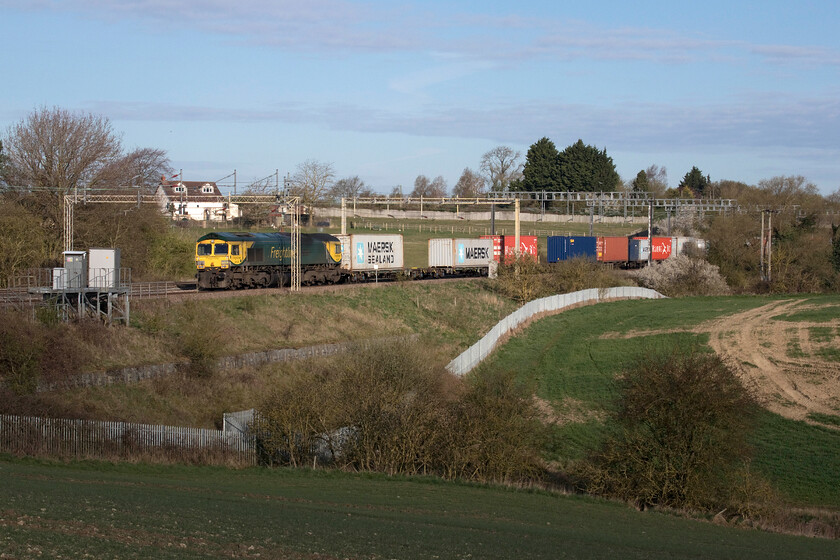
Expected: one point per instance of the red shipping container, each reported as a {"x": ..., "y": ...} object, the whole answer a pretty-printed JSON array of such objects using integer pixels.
[
  {"x": 660, "y": 247},
  {"x": 507, "y": 243},
  {"x": 612, "y": 249}
]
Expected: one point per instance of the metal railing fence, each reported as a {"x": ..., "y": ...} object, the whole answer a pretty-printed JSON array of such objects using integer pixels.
[{"x": 101, "y": 439}]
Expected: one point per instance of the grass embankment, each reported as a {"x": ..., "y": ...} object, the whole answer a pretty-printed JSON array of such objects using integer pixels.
[
  {"x": 449, "y": 315},
  {"x": 572, "y": 360},
  {"x": 129, "y": 511}
]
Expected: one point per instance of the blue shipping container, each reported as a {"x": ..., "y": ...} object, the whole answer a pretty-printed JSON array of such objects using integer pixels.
[{"x": 562, "y": 248}]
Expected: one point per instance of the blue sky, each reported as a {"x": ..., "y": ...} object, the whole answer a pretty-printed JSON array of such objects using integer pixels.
[{"x": 389, "y": 90}]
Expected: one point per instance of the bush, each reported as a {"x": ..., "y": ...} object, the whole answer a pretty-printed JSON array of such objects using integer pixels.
[
  {"x": 681, "y": 275},
  {"x": 801, "y": 254},
  {"x": 390, "y": 409},
  {"x": 23, "y": 242},
  {"x": 733, "y": 247},
  {"x": 495, "y": 432},
  {"x": 20, "y": 357},
  {"x": 678, "y": 435},
  {"x": 198, "y": 340},
  {"x": 32, "y": 352},
  {"x": 526, "y": 280}
]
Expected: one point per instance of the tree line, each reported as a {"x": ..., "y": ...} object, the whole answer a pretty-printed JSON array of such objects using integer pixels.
[{"x": 52, "y": 152}]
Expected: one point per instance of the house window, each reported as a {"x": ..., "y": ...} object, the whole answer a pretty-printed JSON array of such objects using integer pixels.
[
  {"x": 207, "y": 189},
  {"x": 180, "y": 189}
]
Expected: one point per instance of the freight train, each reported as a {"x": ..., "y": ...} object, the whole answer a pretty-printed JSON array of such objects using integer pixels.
[
  {"x": 627, "y": 252},
  {"x": 233, "y": 260}
]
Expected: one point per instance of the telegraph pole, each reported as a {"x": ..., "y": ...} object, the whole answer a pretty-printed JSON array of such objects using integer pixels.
[
  {"x": 650, "y": 234},
  {"x": 766, "y": 246}
]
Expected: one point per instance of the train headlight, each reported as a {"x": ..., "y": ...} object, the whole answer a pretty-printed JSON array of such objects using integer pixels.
[
  {"x": 225, "y": 264},
  {"x": 199, "y": 264}
]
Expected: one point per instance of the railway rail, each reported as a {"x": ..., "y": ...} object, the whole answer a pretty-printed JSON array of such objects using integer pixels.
[{"x": 20, "y": 298}]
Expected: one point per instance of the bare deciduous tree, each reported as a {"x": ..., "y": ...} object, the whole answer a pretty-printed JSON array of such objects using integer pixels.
[
  {"x": 53, "y": 151},
  {"x": 429, "y": 189},
  {"x": 255, "y": 214},
  {"x": 470, "y": 185},
  {"x": 349, "y": 187},
  {"x": 59, "y": 150},
  {"x": 657, "y": 179},
  {"x": 142, "y": 167},
  {"x": 312, "y": 180},
  {"x": 501, "y": 165},
  {"x": 421, "y": 186}
]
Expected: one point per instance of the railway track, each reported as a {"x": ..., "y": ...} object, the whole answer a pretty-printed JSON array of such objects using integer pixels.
[{"x": 21, "y": 298}]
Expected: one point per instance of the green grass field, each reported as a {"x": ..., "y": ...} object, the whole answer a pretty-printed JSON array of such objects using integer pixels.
[
  {"x": 99, "y": 510},
  {"x": 571, "y": 359}
]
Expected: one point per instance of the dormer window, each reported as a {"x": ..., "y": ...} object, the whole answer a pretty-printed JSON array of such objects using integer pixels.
[
  {"x": 180, "y": 189},
  {"x": 207, "y": 189}
]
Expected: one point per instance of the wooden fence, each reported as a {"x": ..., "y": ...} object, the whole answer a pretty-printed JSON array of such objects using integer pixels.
[{"x": 54, "y": 437}]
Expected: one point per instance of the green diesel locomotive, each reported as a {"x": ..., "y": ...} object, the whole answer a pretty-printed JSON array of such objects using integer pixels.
[{"x": 232, "y": 260}]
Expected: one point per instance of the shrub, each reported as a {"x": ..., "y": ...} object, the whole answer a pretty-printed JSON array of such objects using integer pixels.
[
  {"x": 198, "y": 340},
  {"x": 23, "y": 242},
  {"x": 389, "y": 408},
  {"x": 32, "y": 352},
  {"x": 681, "y": 275},
  {"x": 526, "y": 280},
  {"x": 496, "y": 432},
  {"x": 678, "y": 434},
  {"x": 20, "y": 356}
]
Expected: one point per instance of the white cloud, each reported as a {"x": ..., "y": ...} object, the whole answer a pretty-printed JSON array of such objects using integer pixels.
[
  {"x": 341, "y": 25},
  {"x": 766, "y": 121}
]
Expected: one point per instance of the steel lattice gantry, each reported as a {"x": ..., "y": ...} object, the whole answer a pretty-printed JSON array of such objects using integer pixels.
[{"x": 591, "y": 199}]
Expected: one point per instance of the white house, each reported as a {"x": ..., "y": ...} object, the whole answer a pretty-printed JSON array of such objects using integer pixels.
[{"x": 194, "y": 200}]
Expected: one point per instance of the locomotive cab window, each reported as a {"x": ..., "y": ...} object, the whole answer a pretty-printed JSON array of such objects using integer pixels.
[
  {"x": 220, "y": 249},
  {"x": 234, "y": 250},
  {"x": 204, "y": 249}
]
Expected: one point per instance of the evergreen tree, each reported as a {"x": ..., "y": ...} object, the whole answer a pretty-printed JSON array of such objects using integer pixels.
[
  {"x": 586, "y": 168},
  {"x": 695, "y": 182},
  {"x": 640, "y": 183},
  {"x": 542, "y": 168}
]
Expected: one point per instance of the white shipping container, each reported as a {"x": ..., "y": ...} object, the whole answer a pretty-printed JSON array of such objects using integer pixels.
[
  {"x": 441, "y": 251},
  {"x": 460, "y": 253},
  {"x": 363, "y": 252}
]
